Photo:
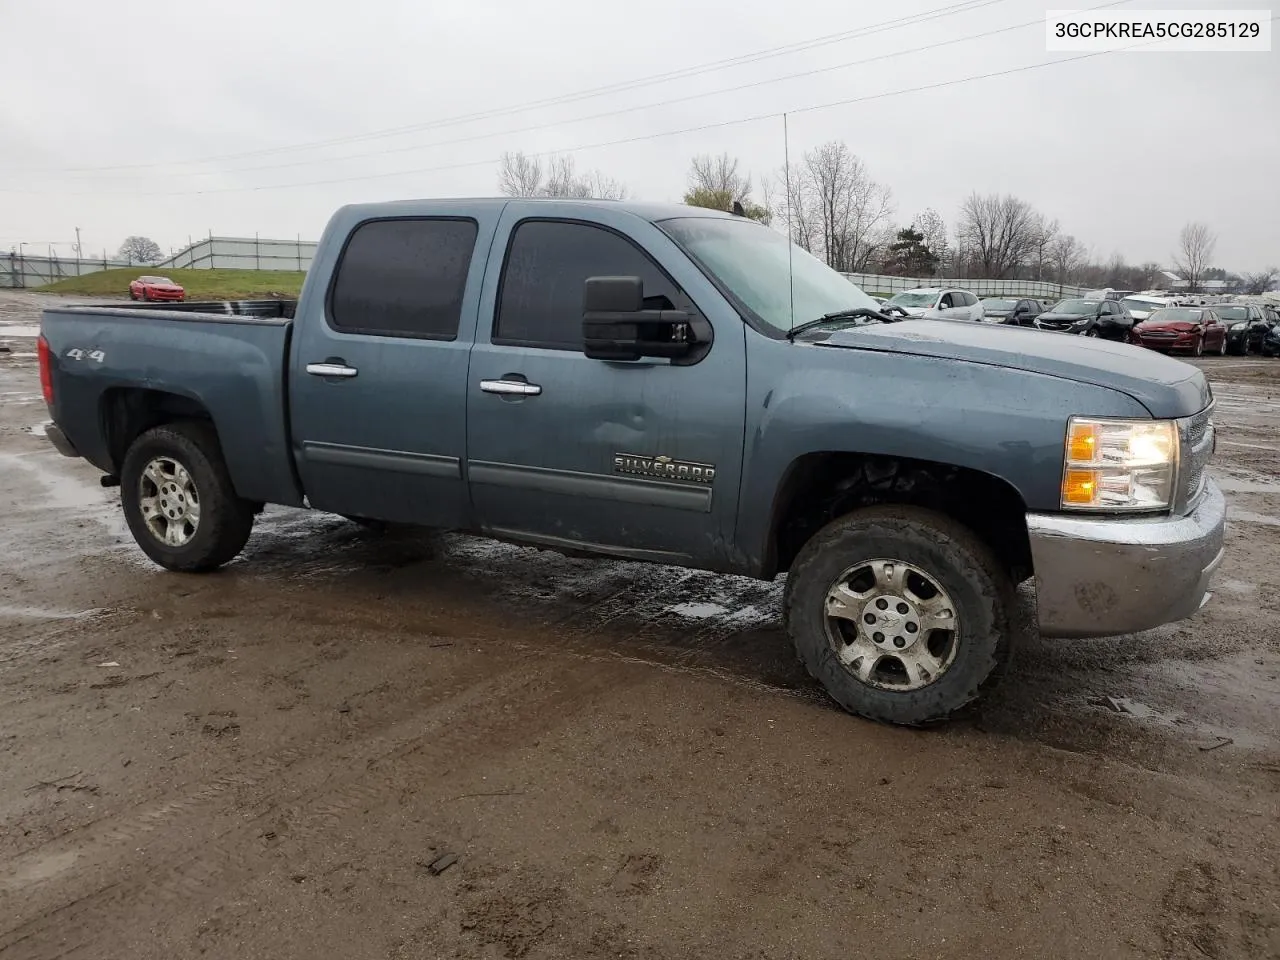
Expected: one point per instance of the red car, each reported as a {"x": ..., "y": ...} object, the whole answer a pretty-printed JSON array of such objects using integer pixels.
[
  {"x": 1193, "y": 329},
  {"x": 155, "y": 288}
]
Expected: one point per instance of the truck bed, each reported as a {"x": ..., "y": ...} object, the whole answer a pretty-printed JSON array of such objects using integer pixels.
[{"x": 109, "y": 365}]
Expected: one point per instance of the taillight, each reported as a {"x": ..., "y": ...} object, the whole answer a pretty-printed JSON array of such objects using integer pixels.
[{"x": 46, "y": 370}]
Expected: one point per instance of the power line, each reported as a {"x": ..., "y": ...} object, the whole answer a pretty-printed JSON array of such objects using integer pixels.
[
  {"x": 632, "y": 109},
  {"x": 683, "y": 73},
  {"x": 636, "y": 139}
]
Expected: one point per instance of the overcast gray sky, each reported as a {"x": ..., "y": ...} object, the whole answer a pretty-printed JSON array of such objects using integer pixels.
[{"x": 1123, "y": 148}]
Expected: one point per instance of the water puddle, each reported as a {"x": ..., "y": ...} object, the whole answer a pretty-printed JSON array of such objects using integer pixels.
[{"x": 20, "y": 612}]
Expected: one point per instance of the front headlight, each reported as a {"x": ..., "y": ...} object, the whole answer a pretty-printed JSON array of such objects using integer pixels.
[
  {"x": 1240, "y": 326},
  {"x": 1119, "y": 465}
]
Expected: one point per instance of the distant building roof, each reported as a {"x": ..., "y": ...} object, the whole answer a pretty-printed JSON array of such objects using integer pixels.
[{"x": 1170, "y": 276}]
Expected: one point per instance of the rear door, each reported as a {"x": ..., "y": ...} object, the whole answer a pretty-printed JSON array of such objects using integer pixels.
[
  {"x": 639, "y": 458},
  {"x": 379, "y": 371}
]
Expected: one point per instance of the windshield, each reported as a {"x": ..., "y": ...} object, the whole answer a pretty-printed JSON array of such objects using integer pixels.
[
  {"x": 910, "y": 299},
  {"x": 1233, "y": 313},
  {"x": 1176, "y": 315},
  {"x": 1144, "y": 306},
  {"x": 751, "y": 260},
  {"x": 993, "y": 303},
  {"x": 1076, "y": 307},
  {"x": 155, "y": 280}
]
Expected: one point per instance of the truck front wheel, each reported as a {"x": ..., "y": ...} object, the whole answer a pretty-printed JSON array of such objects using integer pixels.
[
  {"x": 901, "y": 613},
  {"x": 179, "y": 501}
]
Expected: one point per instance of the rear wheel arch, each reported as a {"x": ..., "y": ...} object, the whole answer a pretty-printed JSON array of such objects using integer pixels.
[
  {"x": 819, "y": 487},
  {"x": 128, "y": 412}
]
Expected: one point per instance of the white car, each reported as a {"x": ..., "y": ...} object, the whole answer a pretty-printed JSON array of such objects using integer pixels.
[
  {"x": 936, "y": 303},
  {"x": 1141, "y": 305}
]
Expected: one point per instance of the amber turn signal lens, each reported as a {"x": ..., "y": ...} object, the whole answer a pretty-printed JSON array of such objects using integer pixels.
[
  {"x": 1082, "y": 446},
  {"x": 1080, "y": 487}
]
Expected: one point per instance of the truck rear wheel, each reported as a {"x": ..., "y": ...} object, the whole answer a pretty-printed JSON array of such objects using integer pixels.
[
  {"x": 900, "y": 613},
  {"x": 179, "y": 501}
]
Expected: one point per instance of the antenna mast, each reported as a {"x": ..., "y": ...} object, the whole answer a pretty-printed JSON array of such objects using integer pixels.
[{"x": 786, "y": 161}]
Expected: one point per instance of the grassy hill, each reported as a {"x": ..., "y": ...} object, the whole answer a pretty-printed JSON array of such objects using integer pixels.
[{"x": 199, "y": 284}]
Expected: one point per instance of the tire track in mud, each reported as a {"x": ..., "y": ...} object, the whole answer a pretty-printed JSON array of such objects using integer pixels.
[{"x": 185, "y": 864}]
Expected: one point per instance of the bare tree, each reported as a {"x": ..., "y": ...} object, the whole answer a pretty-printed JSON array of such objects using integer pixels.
[
  {"x": 1066, "y": 254},
  {"x": 520, "y": 175},
  {"x": 719, "y": 174},
  {"x": 1046, "y": 233},
  {"x": 718, "y": 184},
  {"x": 140, "y": 250},
  {"x": 933, "y": 228},
  {"x": 1002, "y": 232},
  {"x": 562, "y": 179},
  {"x": 1260, "y": 282},
  {"x": 837, "y": 211},
  {"x": 602, "y": 187},
  {"x": 1195, "y": 249}
]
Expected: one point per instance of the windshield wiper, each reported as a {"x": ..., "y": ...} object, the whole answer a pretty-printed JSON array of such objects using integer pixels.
[{"x": 839, "y": 315}]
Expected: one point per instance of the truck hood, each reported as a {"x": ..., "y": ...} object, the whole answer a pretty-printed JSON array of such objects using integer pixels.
[{"x": 1165, "y": 386}]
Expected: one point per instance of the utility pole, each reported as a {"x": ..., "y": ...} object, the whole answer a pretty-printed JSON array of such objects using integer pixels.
[{"x": 77, "y": 251}]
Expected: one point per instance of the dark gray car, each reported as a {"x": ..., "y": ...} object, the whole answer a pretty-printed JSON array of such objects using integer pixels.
[
  {"x": 1107, "y": 319},
  {"x": 1015, "y": 311}
]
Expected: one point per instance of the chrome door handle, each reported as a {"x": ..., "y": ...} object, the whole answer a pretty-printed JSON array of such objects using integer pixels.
[
  {"x": 511, "y": 388},
  {"x": 331, "y": 370}
]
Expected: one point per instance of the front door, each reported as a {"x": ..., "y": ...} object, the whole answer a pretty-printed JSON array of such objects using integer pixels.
[
  {"x": 379, "y": 375},
  {"x": 639, "y": 459}
]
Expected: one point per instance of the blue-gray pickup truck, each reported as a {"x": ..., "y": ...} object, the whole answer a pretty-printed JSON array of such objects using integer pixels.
[{"x": 672, "y": 384}]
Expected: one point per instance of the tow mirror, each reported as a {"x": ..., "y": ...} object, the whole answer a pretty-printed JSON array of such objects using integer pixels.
[{"x": 616, "y": 325}]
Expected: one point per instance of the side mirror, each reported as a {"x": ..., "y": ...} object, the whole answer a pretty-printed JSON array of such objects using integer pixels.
[{"x": 615, "y": 325}]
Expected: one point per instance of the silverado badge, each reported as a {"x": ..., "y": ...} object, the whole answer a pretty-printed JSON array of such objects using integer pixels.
[{"x": 663, "y": 468}]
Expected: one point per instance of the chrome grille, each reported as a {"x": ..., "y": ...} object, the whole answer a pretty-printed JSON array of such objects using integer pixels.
[{"x": 1197, "y": 440}]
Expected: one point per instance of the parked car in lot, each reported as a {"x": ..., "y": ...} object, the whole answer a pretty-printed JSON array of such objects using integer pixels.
[
  {"x": 1107, "y": 319},
  {"x": 933, "y": 303},
  {"x": 1193, "y": 329},
  {"x": 1246, "y": 326},
  {"x": 155, "y": 288},
  {"x": 1020, "y": 312},
  {"x": 657, "y": 383},
  {"x": 1141, "y": 306},
  {"x": 1271, "y": 342}
]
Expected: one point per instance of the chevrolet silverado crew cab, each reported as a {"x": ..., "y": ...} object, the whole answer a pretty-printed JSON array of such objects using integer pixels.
[{"x": 677, "y": 385}]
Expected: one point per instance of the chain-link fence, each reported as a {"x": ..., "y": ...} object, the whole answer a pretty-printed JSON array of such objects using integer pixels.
[
  {"x": 222, "y": 253},
  {"x": 875, "y": 283},
  {"x": 243, "y": 253},
  {"x": 19, "y": 271}
]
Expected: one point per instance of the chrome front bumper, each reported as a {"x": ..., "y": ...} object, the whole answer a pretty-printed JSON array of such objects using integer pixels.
[{"x": 1099, "y": 577}]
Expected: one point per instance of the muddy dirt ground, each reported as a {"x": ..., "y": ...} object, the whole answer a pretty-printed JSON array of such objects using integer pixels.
[{"x": 625, "y": 760}]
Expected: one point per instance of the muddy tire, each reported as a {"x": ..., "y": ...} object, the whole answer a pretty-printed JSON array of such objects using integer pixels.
[
  {"x": 179, "y": 501},
  {"x": 900, "y": 613}
]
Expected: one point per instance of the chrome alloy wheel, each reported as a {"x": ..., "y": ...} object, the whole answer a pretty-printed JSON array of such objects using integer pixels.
[
  {"x": 170, "y": 502},
  {"x": 891, "y": 625}
]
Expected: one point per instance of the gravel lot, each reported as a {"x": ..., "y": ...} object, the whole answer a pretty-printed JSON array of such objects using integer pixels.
[{"x": 626, "y": 760}]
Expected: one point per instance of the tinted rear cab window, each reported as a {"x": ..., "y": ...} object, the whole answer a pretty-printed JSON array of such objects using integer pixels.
[{"x": 403, "y": 278}]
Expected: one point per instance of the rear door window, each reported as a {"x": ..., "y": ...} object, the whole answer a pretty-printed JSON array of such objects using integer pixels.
[{"x": 403, "y": 278}]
